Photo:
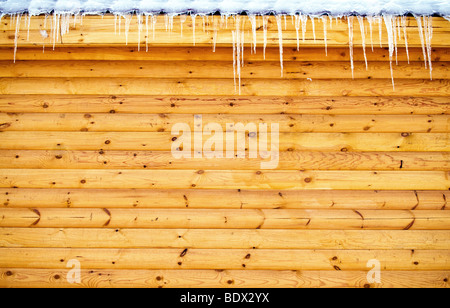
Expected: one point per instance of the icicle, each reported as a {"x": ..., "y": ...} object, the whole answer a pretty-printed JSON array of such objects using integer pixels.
[
  {"x": 238, "y": 57},
  {"x": 146, "y": 31},
  {"x": 363, "y": 37},
  {"x": 304, "y": 19},
  {"x": 55, "y": 26},
  {"x": 166, "y": 21},
  {"x": 214, "y": 35},
  {"x": 16, "y": 37},
  {"x": 397, "y": 22},
  {"x": 120, "y": 23},
  {"x": 233, "y": 34},
  {"x": 193, "y": 16},
  {"x": 324, "y": 21},
  {"x": 203, "y": 23},
  {"x": 238, "y": 46},
  {"x": 44, "y": 33},
  {"x": 428, "y": 29},
  {"x": 420, "y": 28},
  {"x": 154, "y": 20},
  {"x": 28, "y": 27},
  {"x": 390, "y": 30},
  {"x": 403, "y": 19},
  {"x": 265, "y": 19},
  {"x": 380, "y": 30},
  {"x": 252, "y": 19},
  {"x": 128, "y": 19},
  {"x": 394, "y": 31},
  {"x": 65, "y": 24},
  {"x": 350, "y": 41},
  {"x": 182, "y": 20},
  {"x": 370, "y": 21},
  {"x": 115, "y": 24},
  {"x": 242, "y": 46},
  {"x": 139, "y": 20},
  {"x": 313, "y": 28},
  {"x": 297, "y": 29},
  {"x": 171, "y": 23},
  {"x": 25, "y": 19},
  {"x": 280, "y": 41}
]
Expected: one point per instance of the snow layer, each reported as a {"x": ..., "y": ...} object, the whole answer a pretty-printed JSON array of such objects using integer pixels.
[{"x": 310, "y": 7}]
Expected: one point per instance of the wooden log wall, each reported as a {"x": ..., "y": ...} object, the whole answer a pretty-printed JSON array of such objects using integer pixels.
[{"x": 87, "y": 173}]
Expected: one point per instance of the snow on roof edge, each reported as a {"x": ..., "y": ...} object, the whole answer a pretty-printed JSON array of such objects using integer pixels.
[{"x": 204, "y": 7}]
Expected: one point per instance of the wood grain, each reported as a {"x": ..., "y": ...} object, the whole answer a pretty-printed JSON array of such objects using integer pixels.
[
  {"x": 232, "y": 199},
  {"x": 223, "y": 239},
  {"x": 273, "y": 259},
  {"x": 162, "y": 141},
  {"x": 219, "y": 87},
  {"x": 172, "y": 104},
  {"x": 288, "y": 160},
  {"x": 54, "y": 278},
  {"x": 226, "y": 219},
  {"x": 225, "y": 179},
  {"x": 165, "y": 122}
]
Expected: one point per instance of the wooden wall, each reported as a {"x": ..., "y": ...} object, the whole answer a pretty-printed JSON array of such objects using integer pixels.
[{"x": 87, "y": 173}]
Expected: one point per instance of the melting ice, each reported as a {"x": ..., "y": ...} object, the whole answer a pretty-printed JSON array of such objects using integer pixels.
[{"x": 395, "y": 26}]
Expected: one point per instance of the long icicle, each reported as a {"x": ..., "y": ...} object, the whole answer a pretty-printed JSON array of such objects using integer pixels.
[
  {"x": 139, "y": 20},
  {"x": 252, "y": 19},
  {"x": 363, "y": 37},
  {"x": 146, "y": 33},
  {"x": 324, "y": 21},
  {"x": 405, "y": 36},
  {"x": 370, "y": 21},
  {"x": 313, "y": 27},
  {"x": 420, "y": 28},
  {"x": 350, "y": 41},
  {"x": 297, "y": 29},
  {"x": 280, "y": 41},
  {"x": 394, "y": 32},
  {"x": 233, "y": 34},
  {"x": 16, "y": 37},
  {"x": 380, "y": 30},
  {"x": 193, "y": 16},
  {"x": 265, "y": 20},
  {"x": 428, "y": 29},
  {"x": 389, "y": 28}
]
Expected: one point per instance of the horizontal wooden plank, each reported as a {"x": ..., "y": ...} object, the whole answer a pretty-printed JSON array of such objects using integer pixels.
[
  {"x": 224, "y": 104},
  {"x": 131, "y": 53},
  {"x": 200, "y": 87},
  {"x": 226, "y": 219},
  {"x": 165, "y": 122},
  {"x": 162, "y": 141},
  {"x": 218, "y": 69},
  {"x": 204, "y": 24},
  {"x": 250, "y": 259},
  {"x": 225, "y": 179},
  {"x": 54, "y": 278},
  {"x": 222, "y": 239},
  {"x": 99, "y": 32},
  {"x": 295, "y": 160},
  {"x": 232, "y": 199}
]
